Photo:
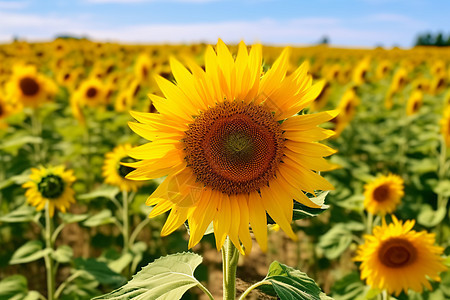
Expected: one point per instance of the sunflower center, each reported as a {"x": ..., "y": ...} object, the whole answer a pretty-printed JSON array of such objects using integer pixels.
[
  {"x": 397, "y": 253},
  {"x": 2, "y": 110},
  {"x": 91, "y": 92},
  {"x": 381, "y": 193},
  {"x": 29, "y": 86},
  {"x": 348, "y": 108},
  {"x": 125, "y": 170},
  {"x": 234, "y": 147},
  {"x": 51, "y": 186},
  {"x": 416, "y": 106}
]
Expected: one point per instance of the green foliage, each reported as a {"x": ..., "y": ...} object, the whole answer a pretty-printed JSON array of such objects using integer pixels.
[
  {"x": 168, "y": 277},
  {"x": 99, "y": 270},
  {"x": 290, "y": 284},
  {"x": 15, "y": 287},
  {"x": 30, "y": 251}
]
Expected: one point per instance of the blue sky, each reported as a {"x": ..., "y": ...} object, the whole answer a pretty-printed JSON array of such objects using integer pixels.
[{"x": 349, "y": 23}]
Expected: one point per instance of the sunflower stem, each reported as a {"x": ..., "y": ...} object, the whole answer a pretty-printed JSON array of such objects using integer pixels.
[
  {"x": 125, "y": 227},
  {"x": 369, "y": 223},
  {"x": 442, "y": 200},
  {"x": 138, "y": 229},
  {"x": 251, "y": 288},
  {"x": 49, "y": 264},
  {"x": 230, "y": 258},
  {"x": 36, "y": 132}
]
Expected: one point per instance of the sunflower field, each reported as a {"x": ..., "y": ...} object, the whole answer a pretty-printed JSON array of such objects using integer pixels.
[{"x": 236, "y": 171}]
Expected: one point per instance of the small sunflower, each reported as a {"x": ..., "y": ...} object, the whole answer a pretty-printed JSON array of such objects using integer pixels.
[
  {"x": 383, "y": 194},
  {"x": 399, "y": 80},
  {"x": 396, "y": 258},
  {"x": 29, "y": 87},
  {"x": 438, "y": 84},
  {"x": 6, "y": 109},
  {"x": 114, "y": 172},
  {"x": 445, "y": 126},
  {"x": 91, "y": 92},
  {"x": 232, "y": 146},
  {"x": 348, "y": 104},
  {"x": 50, "y": 185},
  {"x": 383, "y": 69},
  {"x": 414, "y": 103},
  {"x": 360, "y": 72},
  {"x": 322, "y": 99},
  {"x": 143, "y": 68}
]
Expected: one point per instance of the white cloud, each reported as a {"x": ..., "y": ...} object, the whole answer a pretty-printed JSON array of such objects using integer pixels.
[
  {"x": 13, "y": 5},
  {"x": 395, "y": 18},
  {"x": 269, "y": 31}
]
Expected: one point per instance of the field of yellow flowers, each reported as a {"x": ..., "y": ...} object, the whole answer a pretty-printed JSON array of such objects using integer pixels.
[{"x": 232, "y": 144}]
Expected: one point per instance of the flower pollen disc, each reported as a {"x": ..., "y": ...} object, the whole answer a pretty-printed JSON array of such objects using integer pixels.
[
  {"x": 396, "y": 253},
  {"x": 234, "y": 147},
  {"x": 29, "y": 86}
]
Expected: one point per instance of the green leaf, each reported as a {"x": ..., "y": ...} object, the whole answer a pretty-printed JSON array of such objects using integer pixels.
[
  {"x": 23, "y": 214},
  {"x": 15, "y": 143},
  {"x": 12, "y": 286},
  {"x": 348, "y": 287},
  {"x": 69, "y": 218},
  {"x": 63, "y": 254},
  {"x": 429, "y": 217},
  {"x": 291, "y": 284},
  {"x": 29, "y": 252},
  {"x": 138, "y": 250},
  {"x": 104, "y": 191},
  {"x": 102, "y": 218},
  {"x": 121, "y": 263},
  {"x": 335, "y": 241},
  {"x": 18, "y": 179},
  {"x": 443, "y": 188},
  {"x": 99, "y": 270},
  {"x": 168, "y": 278}
]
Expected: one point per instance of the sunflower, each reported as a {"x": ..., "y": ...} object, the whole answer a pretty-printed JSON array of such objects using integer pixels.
[
  {"x": 399, "y": 80},
  {"x": 69, "y": 78},
  {"x": 396, "y": 258},
  {"x": 143, "y": 67},
  {"x": 232, "y": 146},
  {"x": 414, "y": 103},
  {"x": 29, "y": 87},
  {"x": 91, "y": 92},
  {"x": 322, "y": 99},
  {"x": 383, "y": 194},
  {"x": 115, "y": 173},
  {"x": 6, "y": 109},
  {"x": 50, "y": 185},
  {"x": 347, "y": 105},
  {"x": 383, "y": 69},
  {"x": 438, "y": 84},
  {"x": 360, "y": 72},
  {"x": 445, "y": 126}
]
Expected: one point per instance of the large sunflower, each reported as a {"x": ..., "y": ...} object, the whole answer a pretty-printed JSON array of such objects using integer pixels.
[
  {"x": 396, "y": 258},
  {"x": 232, "y": 146},
  {"x": 383, "y": 194},
  {"x": 115, "y": 173},
  {"x": 50, "y": 185}
]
